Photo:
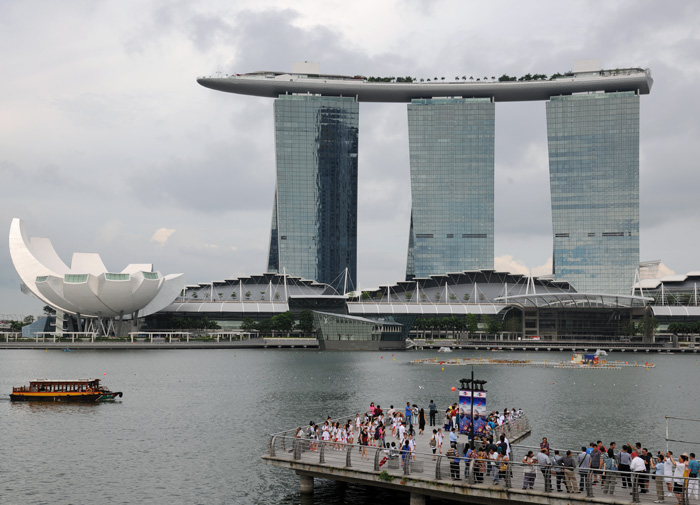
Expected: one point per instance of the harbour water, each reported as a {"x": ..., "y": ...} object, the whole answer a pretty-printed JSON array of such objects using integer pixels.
[{"x": 192, "y": 424}]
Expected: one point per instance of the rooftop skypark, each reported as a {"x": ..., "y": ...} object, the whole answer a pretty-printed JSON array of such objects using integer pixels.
[{"x": 505, "y": 88}]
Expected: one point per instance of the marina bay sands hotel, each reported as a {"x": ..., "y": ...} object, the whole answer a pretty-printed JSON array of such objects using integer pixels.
[{"x": 593, "y": 140}]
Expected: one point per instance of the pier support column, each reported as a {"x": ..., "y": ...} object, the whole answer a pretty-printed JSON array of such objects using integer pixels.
[
  {"x": 306, "y": 484},
  {"x": 418, "y": 499}
]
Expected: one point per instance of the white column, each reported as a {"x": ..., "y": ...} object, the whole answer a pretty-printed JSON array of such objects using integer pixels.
[
  {"x": 418, "y": 499},
  {"x": 306, "y": 485}
]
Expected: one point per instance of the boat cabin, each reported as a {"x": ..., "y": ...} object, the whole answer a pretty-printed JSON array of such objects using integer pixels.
[{"x": 59, "y": 386}]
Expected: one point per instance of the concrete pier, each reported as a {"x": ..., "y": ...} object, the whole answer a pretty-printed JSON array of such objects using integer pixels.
[
  {"x": 426, "y": 475},
  {"x": 418, "y": 499},
  {"x": 306, "y": 484}
]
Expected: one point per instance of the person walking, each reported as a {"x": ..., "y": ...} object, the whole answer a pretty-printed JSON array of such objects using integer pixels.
[
  {"x": 421, "y": 421},
  {"x": 433, "y": 443}
]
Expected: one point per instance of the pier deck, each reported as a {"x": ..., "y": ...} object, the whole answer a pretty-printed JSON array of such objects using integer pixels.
[{"x": 432, "y": 476}]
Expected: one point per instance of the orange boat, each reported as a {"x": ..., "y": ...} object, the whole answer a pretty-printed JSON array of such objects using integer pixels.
[{"x": 77, "y": 390}]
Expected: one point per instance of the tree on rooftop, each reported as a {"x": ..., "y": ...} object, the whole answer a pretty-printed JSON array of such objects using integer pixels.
[
  {"x": 472, "y": 324},
  {"x": 306, "y": 322}
]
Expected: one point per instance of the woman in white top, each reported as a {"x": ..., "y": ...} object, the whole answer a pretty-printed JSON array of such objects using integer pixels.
[
  {"x": 679, "y": 477},
  {"x": 668, "y": 473}
]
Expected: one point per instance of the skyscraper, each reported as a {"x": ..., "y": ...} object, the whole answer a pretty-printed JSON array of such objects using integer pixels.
[
  {"x": 594, "y": 178},
  {"x": 314, "y": 220},
  {"x": 451, "y": 145}
]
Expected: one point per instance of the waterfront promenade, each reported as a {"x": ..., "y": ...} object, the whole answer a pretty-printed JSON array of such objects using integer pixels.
[
  {"x": 436, "y": 476},
  {"x": 232, "y": 340},
  {"x": 160, "y": 343}
]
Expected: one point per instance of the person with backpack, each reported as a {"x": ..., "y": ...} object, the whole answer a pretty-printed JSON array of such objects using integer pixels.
[
  {"x": 453, "y": 456},
  {"x": 530, "y": 474},
  {"x": 584, "y": 467},
  {"x": 610, "y": 475},
  {"x": 433, "y": 443}
]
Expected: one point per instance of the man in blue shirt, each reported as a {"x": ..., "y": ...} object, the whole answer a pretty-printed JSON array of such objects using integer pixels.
[
  {"x": 433, "y": 410},
  {"x": 408, "y": 411},
  {"x": 453, "y": 438},
  {"x": 693, "y": 469}
]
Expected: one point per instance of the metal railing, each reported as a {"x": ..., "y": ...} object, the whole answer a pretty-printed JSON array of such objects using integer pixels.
[
  {"x": 513, "y": 429},
  {"x": 513, "y": 475}
]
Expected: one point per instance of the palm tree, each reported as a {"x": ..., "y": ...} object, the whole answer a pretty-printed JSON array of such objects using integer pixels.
[
  {"x": 471, "y": 77},
  {"x": 464, "y": 77}
]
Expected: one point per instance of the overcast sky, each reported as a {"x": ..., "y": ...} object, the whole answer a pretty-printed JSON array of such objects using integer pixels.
[{"x": 109, "y": 145}]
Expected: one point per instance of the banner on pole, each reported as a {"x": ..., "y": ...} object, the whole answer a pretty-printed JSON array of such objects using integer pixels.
[{"x": 465, "y": 411}]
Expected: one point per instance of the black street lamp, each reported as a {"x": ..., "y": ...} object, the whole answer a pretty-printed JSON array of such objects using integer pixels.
[{"x": 473, "y": 385}]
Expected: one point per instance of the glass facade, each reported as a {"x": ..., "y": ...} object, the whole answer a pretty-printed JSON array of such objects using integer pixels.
[
  {"x": 314, "y": 228},
  {"x": 594, "y": 178},
  {"x": 451, "y": 147}
]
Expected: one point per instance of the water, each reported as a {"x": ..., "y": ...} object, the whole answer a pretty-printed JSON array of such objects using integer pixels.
[{"x": 191, "y": 426}]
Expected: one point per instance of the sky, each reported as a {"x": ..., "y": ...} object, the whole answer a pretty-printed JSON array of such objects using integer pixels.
[{"x": 109, "y": 145}]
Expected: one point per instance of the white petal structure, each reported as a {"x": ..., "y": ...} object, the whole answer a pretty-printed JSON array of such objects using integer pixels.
[{"x": 87, "y": 288}]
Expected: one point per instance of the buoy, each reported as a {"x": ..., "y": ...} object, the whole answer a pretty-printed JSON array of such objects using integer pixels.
[
  {"x": 453, "y": 388},
  {"x": 394, "y": 359},
  {"x": 552, "y": 383},
  {"x": 382, "y": 357},
  {"x": 104, "y": 373},
  {"x": 443, "y": 368}
]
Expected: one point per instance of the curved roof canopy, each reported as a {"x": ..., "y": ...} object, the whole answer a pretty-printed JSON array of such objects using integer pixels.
[
  {"x": 86, "y": 287},
  {"x": 576, "y": 300},
  {"x": 273, "y": 84}
]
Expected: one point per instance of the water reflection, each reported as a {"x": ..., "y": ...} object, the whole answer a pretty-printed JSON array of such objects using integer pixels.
[{"x": 192, "y": 424}]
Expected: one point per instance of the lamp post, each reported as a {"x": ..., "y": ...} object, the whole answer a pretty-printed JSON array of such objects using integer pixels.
[{"x": 473, "y": 385}]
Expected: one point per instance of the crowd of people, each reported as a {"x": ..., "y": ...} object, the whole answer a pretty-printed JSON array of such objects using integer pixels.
[
  {"x": 374, "y": 427},
  {"x": 599, "y": 466},
  {"x": 396, "y": 429}
]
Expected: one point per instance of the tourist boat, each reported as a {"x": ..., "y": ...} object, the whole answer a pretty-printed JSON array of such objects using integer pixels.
[
  {"x": 76, "y": 390},
  {"x": 444, "y": 349}
]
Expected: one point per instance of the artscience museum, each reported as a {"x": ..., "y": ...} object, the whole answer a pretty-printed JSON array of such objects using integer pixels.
[{"x": 88, "y": 296}]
